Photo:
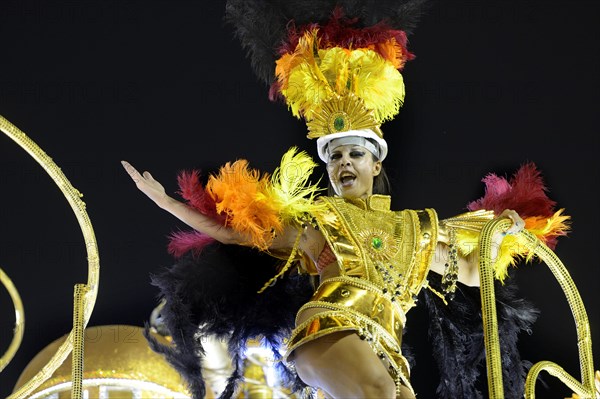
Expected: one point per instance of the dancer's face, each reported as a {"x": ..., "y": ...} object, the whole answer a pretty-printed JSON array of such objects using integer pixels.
[{"x": 351, "y": 169}]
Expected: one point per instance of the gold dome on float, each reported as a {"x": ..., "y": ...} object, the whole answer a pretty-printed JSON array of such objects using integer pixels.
[{"x": 118, "y": 364}]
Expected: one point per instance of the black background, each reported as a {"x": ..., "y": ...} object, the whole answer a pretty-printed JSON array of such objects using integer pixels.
[{"x": 164, "y": 85}]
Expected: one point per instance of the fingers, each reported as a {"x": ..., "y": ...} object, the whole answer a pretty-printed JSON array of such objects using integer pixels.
[
  {"x": 133, "y": 173},
  {"x": 518, "y": 223}
]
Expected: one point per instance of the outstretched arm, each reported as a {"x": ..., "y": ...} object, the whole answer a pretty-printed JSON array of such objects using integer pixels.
[
  {"x": 190, "y": 216},
  {"x": 468, "y": 267}
]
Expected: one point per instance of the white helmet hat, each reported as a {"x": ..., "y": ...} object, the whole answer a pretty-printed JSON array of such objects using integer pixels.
[{"x": 330, "y": 141}]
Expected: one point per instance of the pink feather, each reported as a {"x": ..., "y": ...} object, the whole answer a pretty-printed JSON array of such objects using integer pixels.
[
  {"x": 184, "y": 241},
  {"x": 525, "y": 193}
]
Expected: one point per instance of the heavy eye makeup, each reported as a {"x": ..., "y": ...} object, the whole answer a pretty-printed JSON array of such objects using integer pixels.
[{"x": 353, "y": 154}]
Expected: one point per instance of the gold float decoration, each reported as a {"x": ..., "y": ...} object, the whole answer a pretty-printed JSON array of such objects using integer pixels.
[
  {"x": 119, "y": 364},
  {"x": 15, "y": 343},
  {"x": 85, "y": 296},
  {"x": 586, "y": 388}
]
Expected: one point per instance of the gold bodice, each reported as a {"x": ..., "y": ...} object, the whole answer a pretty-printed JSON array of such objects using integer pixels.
[{"x": 390, "y": 249}]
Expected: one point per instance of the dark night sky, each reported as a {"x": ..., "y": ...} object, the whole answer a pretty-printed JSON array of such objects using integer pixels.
[{"x": 164, "y": 85}]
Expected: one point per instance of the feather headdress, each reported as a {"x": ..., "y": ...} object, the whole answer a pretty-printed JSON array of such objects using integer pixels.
[{"x": 336, "y": 64}]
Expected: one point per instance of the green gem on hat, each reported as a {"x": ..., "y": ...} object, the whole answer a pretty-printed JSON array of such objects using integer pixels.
[{"x": 339, "y": 123}]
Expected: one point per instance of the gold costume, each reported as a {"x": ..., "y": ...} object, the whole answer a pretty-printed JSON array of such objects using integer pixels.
[{"x": 384, "y": 257}]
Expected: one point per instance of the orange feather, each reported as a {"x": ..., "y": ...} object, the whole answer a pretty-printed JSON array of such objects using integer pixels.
[{"x": 241, "y": 194}]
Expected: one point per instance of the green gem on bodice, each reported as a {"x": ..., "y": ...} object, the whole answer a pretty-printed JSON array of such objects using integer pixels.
[
  {"x": 339, "y": 123},
  {"x": 377, "y": 242}
]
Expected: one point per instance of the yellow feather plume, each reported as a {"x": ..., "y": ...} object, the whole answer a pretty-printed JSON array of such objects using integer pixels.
[
  {"x": 310, "y": 76},
  {"x": 335, "y": 67},
  {"x": 379, "y": 84},
  {"x": 514, "y": 248},
  {"x": 289, "y": 186},
  {"x": 301, "y": 80}
]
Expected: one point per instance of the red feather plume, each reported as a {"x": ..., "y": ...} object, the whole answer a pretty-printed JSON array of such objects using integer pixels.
[
  {"x": 340, "y": 31},
  {"x": 192, "y": 190}
]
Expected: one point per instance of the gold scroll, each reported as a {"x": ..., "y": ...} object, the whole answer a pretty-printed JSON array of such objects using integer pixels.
[{"x": 74, "y": 198}]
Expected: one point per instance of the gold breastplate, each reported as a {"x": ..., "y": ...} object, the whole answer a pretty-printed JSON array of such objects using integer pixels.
[{"x": 392, "y": 250}]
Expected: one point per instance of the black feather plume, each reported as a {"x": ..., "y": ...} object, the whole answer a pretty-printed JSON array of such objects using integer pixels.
[
  {"x": 216, "y": 294},
  {"x": 456, "y": 336},
  {"x": 260, "y": 28}
]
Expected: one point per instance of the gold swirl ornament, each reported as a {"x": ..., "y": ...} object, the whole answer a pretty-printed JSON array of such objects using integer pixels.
[
  {"x": 585, "y": 388},
  {"x": 19, "y": 329},
  {"x": 84, "y": 294}
]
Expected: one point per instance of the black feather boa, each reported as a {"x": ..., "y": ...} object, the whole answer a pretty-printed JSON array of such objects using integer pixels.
[
  {"x": 216, "y": 294},
  {"x": 456, "y": 336}
]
